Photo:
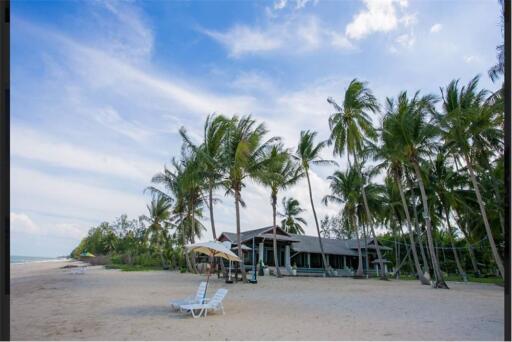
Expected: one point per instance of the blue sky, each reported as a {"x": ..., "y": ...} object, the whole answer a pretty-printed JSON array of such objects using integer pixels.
[{"x": 100, "y": 89}]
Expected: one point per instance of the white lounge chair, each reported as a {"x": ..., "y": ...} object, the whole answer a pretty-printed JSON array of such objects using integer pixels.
[
  {"x": 214, "y": 304},
  {"x": 198, "y": 299}
]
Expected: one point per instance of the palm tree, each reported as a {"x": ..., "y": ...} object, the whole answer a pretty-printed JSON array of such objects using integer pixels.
[
  {"x": 157, "y": 231},
  {"x": 242, "y": 156},
  {"x": 499, "y": 68},
  {"x": 345, "y": 189},
  {"x": 291, "y": 222},
  {"x": 389, "y": 152},
  {"x": 443, "y": 183},
  {"x": 415, "y": 139},
  {"x": 308, "y": 153},
  {"x": 278, "y": 173},
  {"x": 468, "y": 125},
  {"x": 350, "y": 127},
  {"x": 209, "y": 154}
]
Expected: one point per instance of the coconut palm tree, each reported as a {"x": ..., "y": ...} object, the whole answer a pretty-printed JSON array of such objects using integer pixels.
[
  {"x": 391, "y": 159},
  {"x": 346, "y": 189},
  {"x": 157, "y": 232},
  {"x": 291, "y": 222},
  {"x": 209, "y": 154},
  {"x": 308, "y": 153},
  {"x": 242, "y": 156},
  {"x": 443, "y": 181},
  {"x": 415, "y": 139},
  {"x": 468, "y": 125},
  {"x": 278, "y": 173},
  {"x": 351, "y": 126}
]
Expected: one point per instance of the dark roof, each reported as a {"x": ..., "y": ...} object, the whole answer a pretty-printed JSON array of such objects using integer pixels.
[
  {"x": 306, "y": 243},
  {"x": 309, "y": 244}
]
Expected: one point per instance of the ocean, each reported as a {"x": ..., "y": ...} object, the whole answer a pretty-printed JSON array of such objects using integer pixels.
[{"x": 18, "y": 259}]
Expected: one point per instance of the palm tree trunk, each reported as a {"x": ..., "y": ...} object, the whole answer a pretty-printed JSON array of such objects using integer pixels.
[
  {"x": 316, "y": 222},
  {"x": 212, "y": 220},
  {"x": 276, "y": 261},
  {"x": 420, "y": 243},
  {"x": 366, "y": 261},
  {"x": 383, "y": 275},
  {"x": 210, "y": 201},
  {"x": 497, "y": 258},
  {"x": 359, "y": 272},
  {"x": 193, "y": 237},
  {"x": 239, "y": 243},
  {"x": 455, "y": 254},
  {"x": 421, "y": 277},
  {"x": 439, "y": 281}
]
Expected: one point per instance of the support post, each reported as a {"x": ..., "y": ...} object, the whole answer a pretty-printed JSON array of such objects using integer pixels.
[{"x": 287, "y": 261}]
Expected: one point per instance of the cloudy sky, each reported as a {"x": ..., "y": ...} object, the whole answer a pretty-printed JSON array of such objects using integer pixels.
[{"x": 100, "y": 89}]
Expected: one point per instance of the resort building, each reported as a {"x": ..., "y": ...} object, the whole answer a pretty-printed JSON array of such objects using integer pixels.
[{"x": 303, "y": 251}]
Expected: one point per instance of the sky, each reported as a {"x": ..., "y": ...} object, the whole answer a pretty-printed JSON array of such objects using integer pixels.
[{"x": 99, "y": 90}]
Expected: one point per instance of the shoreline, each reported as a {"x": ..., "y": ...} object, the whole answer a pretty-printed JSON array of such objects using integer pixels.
[{"x": 106, "y": 304}]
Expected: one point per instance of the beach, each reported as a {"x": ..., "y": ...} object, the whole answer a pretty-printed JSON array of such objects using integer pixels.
[{"x": 50, "y": 303}]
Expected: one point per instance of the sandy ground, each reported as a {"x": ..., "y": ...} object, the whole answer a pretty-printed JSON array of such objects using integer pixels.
[{"x": 49, "y": 303}]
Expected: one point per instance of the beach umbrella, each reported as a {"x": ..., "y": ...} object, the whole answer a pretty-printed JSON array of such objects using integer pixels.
[
  {"x": 87, "y": 255},
  {"x": 212, "y": 249}
]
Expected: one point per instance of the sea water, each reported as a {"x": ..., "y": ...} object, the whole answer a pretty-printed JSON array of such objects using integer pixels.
[{"x": 18, "y": 259}]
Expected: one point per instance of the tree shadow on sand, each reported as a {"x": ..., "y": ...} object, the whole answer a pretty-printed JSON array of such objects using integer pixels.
[{"x": 148, "y": 310}]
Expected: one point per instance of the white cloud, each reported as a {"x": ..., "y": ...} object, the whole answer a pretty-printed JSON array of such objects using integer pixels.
[
  {"x": 57, "y": 195},
  {"x": 279, "y": 4},
  {"x": 297, "y": 35},
  {"x": 436, "y": 28},
  {"x": 29, "y": 144},
  {"x": 471, "y": 59},
  {"x": 377, "y": 16},
  {"x": 242, "y": 40},
  {"x": 406, "y": 40},
  {"x": 21, "y": 223}
]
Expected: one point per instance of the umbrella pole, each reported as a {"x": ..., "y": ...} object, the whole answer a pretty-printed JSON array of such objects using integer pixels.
[{"x": 207, "y": 280}]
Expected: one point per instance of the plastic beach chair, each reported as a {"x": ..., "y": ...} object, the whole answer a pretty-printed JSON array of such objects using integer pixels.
[
  {"x": 214, "y": 304},
  {"x": 175, "y": 304}
]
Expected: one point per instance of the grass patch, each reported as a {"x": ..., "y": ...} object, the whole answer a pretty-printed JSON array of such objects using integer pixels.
[
  {"x": 471, "y": 279},
  {"x": 133, "y": 268}
]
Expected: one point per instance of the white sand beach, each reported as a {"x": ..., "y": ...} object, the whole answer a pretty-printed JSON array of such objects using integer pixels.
[{"x": 49, "y": 303}]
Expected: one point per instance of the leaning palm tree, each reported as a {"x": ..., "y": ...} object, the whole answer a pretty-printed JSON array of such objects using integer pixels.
[
  {"x": 242, "y": 156},
  {"x": 350, "y": 127},
  {"x": 468, "y": 126},
  {"x": 278, "y": 173},
  {"x": 415, "y": 139},
  {"x": 443, "y": 183},
  {"x": 157, "y": 231},
  {"x": 391, "y": 157},
  {"x": 345, "y": 189},
  {"x": 291, "y": 222},
  {"x": 308, "y": 153},
  {"x": 209, "y": 154}
]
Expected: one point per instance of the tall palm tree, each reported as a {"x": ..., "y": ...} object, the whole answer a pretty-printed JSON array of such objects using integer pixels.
[
  {"x": 469, "y": 125},
  {"x": 278, "y": 173},
  {"x": 350, "y": 127},
  {"x": 308, "y": 153},
  {"x": 443, "y": 183},
  {"x": 157, "y": 232},
  {"x": 291, "y": 222},
  {"x": 389, "y": 153},
  {"x": 415, "y": 138},
  {"x": 242, "y": 156},
  {"x": 209, "y": 154},
  {"x": 345, "y": 189}
]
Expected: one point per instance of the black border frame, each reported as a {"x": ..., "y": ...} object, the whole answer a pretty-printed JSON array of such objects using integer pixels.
[
  {"x": 5, "y": 170},
  {"x": 507, "y": 96}
]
